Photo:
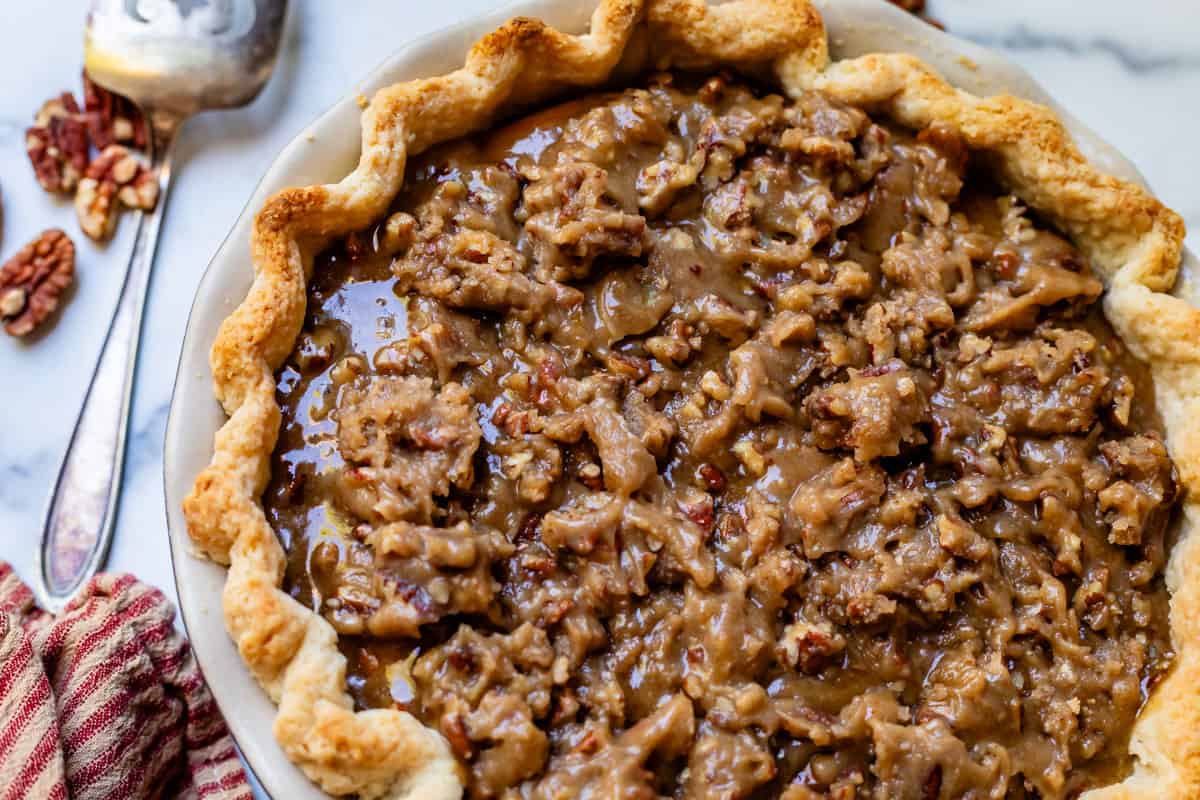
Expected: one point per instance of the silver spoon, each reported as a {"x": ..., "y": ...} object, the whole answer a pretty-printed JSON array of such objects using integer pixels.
[{"x": 173, "y": 58}]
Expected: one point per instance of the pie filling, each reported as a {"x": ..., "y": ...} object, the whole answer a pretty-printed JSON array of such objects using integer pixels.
[{"x": 690, "y": 441}]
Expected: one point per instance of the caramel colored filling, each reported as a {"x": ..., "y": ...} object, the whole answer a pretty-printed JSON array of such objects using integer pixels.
[{"x": 691, "y": 441}]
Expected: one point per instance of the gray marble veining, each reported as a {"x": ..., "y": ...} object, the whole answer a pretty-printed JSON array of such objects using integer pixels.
[{"x": 1021, "y": 39}]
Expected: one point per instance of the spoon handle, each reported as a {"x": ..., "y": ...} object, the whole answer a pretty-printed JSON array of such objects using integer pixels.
[{"x": 82, "y": 510}]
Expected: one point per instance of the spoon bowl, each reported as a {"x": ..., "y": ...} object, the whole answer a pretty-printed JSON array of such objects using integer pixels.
[{"x": 183, "y": 57}]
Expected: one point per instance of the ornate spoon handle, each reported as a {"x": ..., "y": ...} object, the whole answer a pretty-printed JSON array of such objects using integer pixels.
[{"x": 83, "y": 505}]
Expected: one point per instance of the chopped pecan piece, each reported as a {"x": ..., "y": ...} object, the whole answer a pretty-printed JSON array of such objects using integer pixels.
[
  {"x": 808, "y": 647},
  {"x": 933, "y": 784},
  {"x": 57, "y": 144},
  {"x": 712, "y": 476},
  {"x": 117, "y": 176},
  {"x": 32, "y": 282}
]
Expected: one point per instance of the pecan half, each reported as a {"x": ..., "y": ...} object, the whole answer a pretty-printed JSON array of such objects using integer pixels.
[
  {"x": 33, "y": 281},
  {"x": 57, "y": 144},
  {"x": 114, "y": 179},
  {"x": 111, "y": 118}
]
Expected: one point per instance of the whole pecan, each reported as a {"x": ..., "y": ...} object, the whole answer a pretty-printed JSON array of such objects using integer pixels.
[
  {"x": 33, "y": 281},
  {"x": 111, "y": 118},
  {"x": 114, "y": 179},
  {"x": 57, "y": 144}
]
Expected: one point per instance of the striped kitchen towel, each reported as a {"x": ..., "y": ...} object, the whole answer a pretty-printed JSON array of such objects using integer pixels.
[{"x": 106, "y": 701}]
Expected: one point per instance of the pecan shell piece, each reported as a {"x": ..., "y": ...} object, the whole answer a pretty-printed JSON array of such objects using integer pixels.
[
  {"x": 57, "y": 144},
  {"x": 33, "y": 281},
  {"x": 114, "y": 179}
]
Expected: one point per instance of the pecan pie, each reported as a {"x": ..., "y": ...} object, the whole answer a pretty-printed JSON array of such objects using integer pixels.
[{"x": 745, "y": 425}]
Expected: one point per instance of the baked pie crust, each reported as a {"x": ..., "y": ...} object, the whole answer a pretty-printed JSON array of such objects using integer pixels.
[{"x": 1132, "y": 240}]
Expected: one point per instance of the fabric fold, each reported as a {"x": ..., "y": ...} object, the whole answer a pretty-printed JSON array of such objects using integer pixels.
[{"x": 106, "y": 701}]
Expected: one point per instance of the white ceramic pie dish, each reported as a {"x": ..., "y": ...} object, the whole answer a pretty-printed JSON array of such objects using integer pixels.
[{"x": 325, "y": 152}]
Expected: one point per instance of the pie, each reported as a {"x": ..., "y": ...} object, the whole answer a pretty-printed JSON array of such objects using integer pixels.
[{"x": 669, "y": 411}]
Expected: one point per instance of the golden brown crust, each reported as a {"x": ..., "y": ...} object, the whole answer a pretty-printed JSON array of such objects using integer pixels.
[{"x": 1134, "y": 241}]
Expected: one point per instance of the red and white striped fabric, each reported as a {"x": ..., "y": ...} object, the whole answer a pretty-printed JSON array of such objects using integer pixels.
[{"x": 105, "y": 702}]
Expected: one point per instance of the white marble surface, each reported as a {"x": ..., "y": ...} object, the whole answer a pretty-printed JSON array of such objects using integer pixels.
[{"x": 1129, "y": 70}]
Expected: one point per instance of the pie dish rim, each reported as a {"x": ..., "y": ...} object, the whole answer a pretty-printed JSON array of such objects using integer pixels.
[{"x": 1182, "y": 779}]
